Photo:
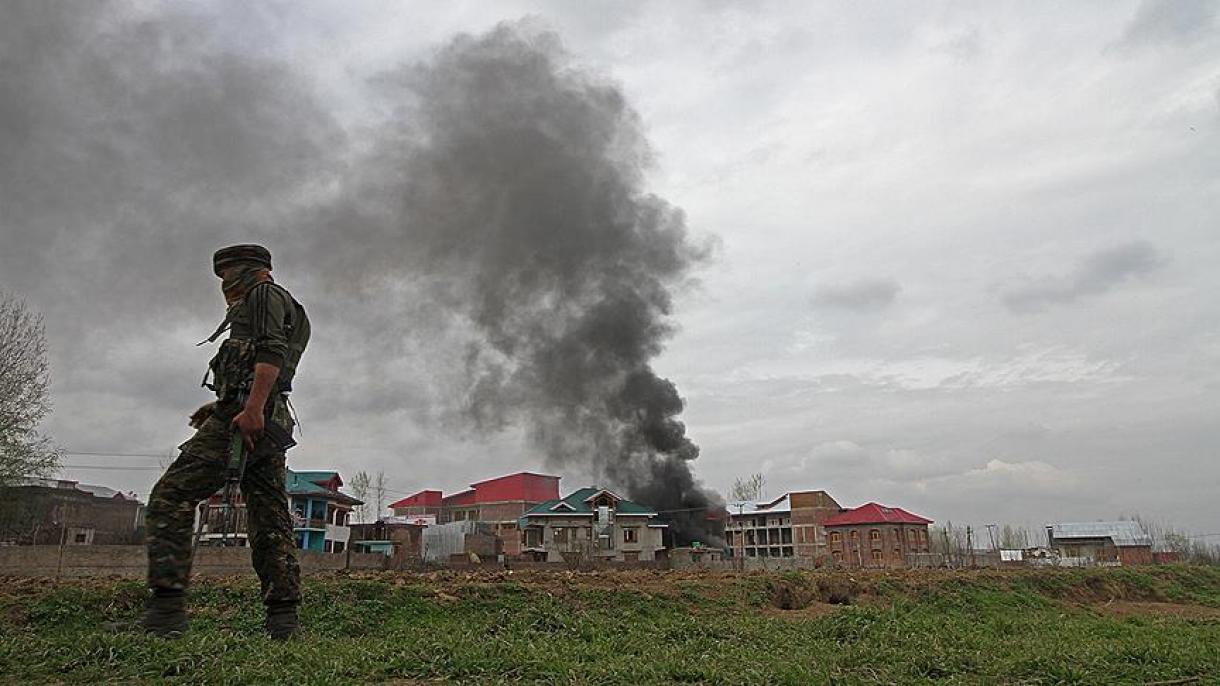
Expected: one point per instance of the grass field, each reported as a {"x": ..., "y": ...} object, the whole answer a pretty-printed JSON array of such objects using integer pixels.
[{"x": 1101, "y": 626}]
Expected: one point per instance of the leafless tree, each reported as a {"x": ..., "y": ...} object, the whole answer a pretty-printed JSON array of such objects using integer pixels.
[
  {"x": 748, "y": 488},
  {"x": 25, "y": 399},
  {"x": 379, "y": 488},
  {"x": 361, "y": 485}
]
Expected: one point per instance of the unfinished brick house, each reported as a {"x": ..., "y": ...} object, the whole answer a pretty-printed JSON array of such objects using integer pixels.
[
  {"x": 500, "y": 502},
  {"x": 877, "y": 536},
  {"x": 788, "y": 526},
  {"x": 591, "y": 524},
  {"x": 1104, "y": 543}
]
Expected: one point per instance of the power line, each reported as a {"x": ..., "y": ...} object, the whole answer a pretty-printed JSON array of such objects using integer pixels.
[
  {"x": 151, "y": 455},
  {"x": 111, "y": 468}
]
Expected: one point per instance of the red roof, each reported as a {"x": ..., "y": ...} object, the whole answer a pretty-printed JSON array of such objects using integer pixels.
[
  {"x": 526, "y": 486},
  {"x": 874, "y": 513},
  {"x": 421, "y": 499}
]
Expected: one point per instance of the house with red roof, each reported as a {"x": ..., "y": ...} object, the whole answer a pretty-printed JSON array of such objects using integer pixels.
[
  {"x": 875, "y": 535},
  {"x": 500, "y": 502}
]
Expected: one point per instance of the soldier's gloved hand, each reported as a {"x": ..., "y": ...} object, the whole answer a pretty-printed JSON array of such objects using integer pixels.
[
  {"x": 198, "y": 417},
  {"x": 250, "y": 424}
]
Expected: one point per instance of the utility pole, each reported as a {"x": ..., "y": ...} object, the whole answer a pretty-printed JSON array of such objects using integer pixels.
[
  {"x": 991, "y": 534},
  {"x": 970, "y": 543},
  {"x": 741, "y": 536}
]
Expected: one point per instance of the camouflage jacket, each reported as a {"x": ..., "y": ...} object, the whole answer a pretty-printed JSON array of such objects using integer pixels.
[{"x": 268, "y": 325}]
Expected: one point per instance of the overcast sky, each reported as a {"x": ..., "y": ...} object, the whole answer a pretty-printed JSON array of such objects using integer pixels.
[{"x": 963, "y": 256}]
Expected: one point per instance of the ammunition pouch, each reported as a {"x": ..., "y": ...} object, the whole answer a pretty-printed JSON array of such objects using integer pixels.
[{"x": 232, "y": 368}]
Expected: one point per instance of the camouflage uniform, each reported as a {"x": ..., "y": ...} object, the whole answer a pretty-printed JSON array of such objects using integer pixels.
[{"x": 273, "y": 328}]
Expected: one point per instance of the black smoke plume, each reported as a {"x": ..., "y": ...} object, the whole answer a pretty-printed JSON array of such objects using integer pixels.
[
  {"x": 476, "y": 236},
  {"x": 523, "y": 198}
]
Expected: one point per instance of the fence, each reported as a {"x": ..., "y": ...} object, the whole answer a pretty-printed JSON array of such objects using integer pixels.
[{"x": 131, "y": 561}]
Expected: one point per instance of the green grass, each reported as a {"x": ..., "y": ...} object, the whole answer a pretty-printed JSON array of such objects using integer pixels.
[{"x": 1047, "y": 627}]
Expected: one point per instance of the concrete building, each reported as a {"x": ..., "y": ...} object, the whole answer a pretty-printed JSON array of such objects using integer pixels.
[
  {"x": 54, "y": 511},
  {"x": 1105, "y": 543},
  {"x": 788, "y": 526},
  {"x": 499, "y": 502},
  {"x": 401, "y": 542},
  {"x": 877, "y": 536},
  {"x": 591, "y": 524}
]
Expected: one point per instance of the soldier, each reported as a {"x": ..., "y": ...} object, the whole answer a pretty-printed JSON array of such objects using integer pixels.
[{"x": 251, "y": 374}]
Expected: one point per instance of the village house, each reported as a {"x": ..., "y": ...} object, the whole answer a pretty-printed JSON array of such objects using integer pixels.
[
  {"x": 591, "y": 524},
  {"x": 1105, "y": 543},
  {"x": 499, "y": 502},
  {"x": 787, "y": 526},
  {"x": 320, "y": 514},
  {"x": 399, "y": 541},
  {"x": 320, "y": 511},
  {"x": 875, "y": 535},
  {"x": 55, "y": 511}
]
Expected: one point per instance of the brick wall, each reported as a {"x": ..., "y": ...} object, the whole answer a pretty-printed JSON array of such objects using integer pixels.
[
  {"x": 876, "y": 545},
  {"x": 130, "y": 561}
]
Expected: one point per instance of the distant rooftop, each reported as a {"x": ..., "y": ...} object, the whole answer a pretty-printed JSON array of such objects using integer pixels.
[
  {"x": 779, "y": 505},
  {"x": 875, "y": 513},
  {"x": 1123, "y": 533}
]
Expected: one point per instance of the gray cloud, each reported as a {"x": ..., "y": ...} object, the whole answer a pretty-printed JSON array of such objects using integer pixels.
[
  {"x": 860, "y": 295},
  {"x": 1170, "y": 22},
  {"x": 486, "y": 251},
  {"x": 1095, "y": 275},
  {"x": 964, "y": 46}
]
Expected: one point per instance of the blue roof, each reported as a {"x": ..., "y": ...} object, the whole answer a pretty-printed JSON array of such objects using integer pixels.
[{"x": 303, "y": 483}]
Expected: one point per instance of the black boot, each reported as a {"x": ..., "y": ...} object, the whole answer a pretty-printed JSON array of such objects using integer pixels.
[
  {"x": 165, "y": 615},
  {"x": 282, "y": 622}
]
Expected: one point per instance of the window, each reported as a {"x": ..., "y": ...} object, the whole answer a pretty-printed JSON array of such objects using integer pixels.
[
  {"x": 787, "y": 551},
  {"x": 876, "y": 556},
  {"x": 838, "y": 555},
  {"x": 339, "y": 546},
  {"x": 911, "y": 535},
  {"x": 630, "y": 536},
  {"x": 836, "y": 537},
  {"x": 855, "y": 536},
  {"x": 559, "y": 534},
  {"x": 874, "y": 535},
  {"x": 328, "y": 547},
  {"x": 81, "y": 538}
]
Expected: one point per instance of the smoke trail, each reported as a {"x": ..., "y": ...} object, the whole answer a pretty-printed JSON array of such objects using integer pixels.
[{"x": 523, "y": 201}]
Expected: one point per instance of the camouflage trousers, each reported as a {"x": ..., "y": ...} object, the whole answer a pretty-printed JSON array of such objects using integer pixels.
[{"x": 198, "y": 473}]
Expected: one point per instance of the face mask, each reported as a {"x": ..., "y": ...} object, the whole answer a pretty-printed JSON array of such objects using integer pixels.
[{"x": 239, "y": 281}]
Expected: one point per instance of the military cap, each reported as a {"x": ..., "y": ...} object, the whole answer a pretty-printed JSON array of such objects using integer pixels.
[{"x": 240, "y": 253}]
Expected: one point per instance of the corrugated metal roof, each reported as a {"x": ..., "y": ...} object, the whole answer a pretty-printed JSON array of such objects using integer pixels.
[
  {"x": 781, "y": 504},
  {"x": 1122, "y": 533}
]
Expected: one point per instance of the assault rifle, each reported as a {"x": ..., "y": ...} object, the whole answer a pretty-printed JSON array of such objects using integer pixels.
[{"x": 234, "y": 469}]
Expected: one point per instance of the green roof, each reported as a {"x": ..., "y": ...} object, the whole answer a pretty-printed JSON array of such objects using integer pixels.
[
  {"x": 302, "y": 483},
  {"x": 316, "y": 475},
  {"x": 576, "y": 505}
]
